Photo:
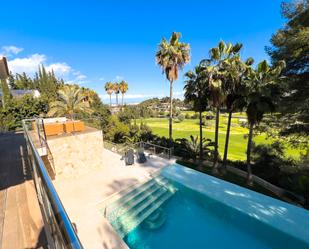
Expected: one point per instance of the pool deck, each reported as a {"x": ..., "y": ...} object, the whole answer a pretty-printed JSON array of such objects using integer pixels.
[
  {"x": 21, "y": 224},
  {"x": 83, "y": 193}
]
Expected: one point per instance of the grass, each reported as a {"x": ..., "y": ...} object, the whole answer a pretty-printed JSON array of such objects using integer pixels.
[{"x": 238, "y": 135}]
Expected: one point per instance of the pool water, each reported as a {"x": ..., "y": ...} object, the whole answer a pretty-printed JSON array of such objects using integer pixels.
[{"x": 194, "y": 220}]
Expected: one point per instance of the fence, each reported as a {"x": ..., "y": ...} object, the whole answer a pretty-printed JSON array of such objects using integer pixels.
[
  {"x": 58, "y": 227},
  {"x": 152, "y": 149}
]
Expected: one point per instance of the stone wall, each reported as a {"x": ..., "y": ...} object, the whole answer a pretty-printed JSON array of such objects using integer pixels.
[{"x": 76, "y": 153}]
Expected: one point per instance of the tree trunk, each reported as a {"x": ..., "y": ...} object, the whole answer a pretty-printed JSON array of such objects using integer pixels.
[
  {"x": 249, "y": 171},
  {"x": 201, "y": 139},
  {"x": 117, "y": 99},
  {"x": 122, "y": 99},
  {"x": 110, "y": 100},
  {"x": 216, "y": 152},
  {"x": 227, "y": 138},
  {"x": 171, "y": 115}
]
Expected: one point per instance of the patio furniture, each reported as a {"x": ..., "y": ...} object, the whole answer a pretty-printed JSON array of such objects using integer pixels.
[
  {"x": 141, "y": 158},
  {"x": 72, "y": 126},
  {"x": 53, "y": 129},
  {"x": 129, "y": 157}
]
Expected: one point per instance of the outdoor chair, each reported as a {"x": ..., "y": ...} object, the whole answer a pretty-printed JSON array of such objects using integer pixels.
[
  {"x": 129, "y": 157},
  {"x": 141, "y": 157}
]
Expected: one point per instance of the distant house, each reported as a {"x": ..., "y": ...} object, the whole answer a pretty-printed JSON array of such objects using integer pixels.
[{"x": 21, "y": 93}]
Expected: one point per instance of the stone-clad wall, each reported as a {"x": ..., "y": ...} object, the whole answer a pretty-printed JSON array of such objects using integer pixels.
[{"x": 77, "y": 152}]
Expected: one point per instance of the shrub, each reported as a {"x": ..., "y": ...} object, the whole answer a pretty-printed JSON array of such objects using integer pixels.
[
  {"x": 195, "y": 116},
  {"x": 19, "y": 108},
  {"x": 181, "y": 117},
  {"x": 116, "y": 131},
  {"x": 187, "y": 116}
]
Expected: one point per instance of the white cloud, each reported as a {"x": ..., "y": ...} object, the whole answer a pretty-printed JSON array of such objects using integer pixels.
[
  {"x": 28, "y": 65},
  {"x": 31, "y": 64},
  {"x": 118, "y": 78},
  {"x": 102, "y": 78},
  {"x": 59, "y": 68},
  {"x": 10, "y": 50}
]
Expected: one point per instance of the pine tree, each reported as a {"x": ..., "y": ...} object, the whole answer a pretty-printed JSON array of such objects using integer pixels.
[{"x": 291, "y": 45}]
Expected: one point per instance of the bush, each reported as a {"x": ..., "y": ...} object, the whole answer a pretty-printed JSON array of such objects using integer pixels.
[
  {"x": 195, "y": 116},
  {"x": 187, "y": 116},
  {"x": 180, "y": 118},
  {"x": 18, "y": 109},
  {"x": 209, "y": 115},
  {"x": 116, "y": 131}
]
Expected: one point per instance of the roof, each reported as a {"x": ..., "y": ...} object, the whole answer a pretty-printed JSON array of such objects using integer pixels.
[{"x": 22, "y": 92}]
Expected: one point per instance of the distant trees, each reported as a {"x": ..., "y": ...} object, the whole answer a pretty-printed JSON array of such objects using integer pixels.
[
  {"x": 44, "y": 81},
  {"x": 116, "y": 88},
  {"x": 109, "y": 88},
  {"x": 290, "y": 43},
  {"x": 171, "y": 56},
  {"x": 123, "y": 88}
]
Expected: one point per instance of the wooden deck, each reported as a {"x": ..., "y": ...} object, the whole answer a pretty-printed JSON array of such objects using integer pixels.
[{"x": 21, "y": 224}]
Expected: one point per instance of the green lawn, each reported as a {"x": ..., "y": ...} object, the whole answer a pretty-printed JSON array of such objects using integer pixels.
[{"x": 238, "y": 142}]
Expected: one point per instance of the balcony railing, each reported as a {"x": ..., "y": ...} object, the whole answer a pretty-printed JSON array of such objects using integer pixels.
[{"x": 59, "y": 230}]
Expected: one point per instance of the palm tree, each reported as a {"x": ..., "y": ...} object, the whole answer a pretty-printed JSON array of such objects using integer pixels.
[
  {"x": 236, "y": 73},
  {"x": 116, "y": 91},
  {"x": 70, "y": 101},
  {"x": 264, "y": 91},
  {"x": 196, "y": 92},
  {"x": 219, "y": 56},
  {"x": 171, "y": 56},
  {"x": 123, "y": 87},
  {"x": 109, "y": 88}
]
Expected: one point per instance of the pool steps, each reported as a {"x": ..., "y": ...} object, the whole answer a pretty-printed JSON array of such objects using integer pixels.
[{"x": 136, "y": 205}]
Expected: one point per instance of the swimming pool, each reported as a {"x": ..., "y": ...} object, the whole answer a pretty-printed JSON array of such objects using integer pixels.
[{"x": 205, "y": 212}]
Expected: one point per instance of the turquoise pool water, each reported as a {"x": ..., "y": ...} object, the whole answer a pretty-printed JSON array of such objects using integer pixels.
[
  {"x": 196, "y": 221},
  {"x": 207, "y": 212}
]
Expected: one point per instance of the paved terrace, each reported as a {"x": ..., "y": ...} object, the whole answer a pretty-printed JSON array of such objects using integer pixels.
[
  {"x": 83, "y": 193},
  {"x": 21, "y": 224}
]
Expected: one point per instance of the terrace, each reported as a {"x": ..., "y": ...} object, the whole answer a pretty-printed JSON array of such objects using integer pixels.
[{"x": 85, "y": 174}]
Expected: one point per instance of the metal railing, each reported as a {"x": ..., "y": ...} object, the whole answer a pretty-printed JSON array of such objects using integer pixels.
[
  {"x": 58, "y": 227},
  {"x": 149, "y": 147}
]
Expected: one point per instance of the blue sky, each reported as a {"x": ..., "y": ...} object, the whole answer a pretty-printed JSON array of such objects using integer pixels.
[{"x": 94, "y": 41}]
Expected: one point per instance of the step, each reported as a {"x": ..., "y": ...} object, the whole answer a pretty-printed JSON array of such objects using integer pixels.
[
  {"x": 129, "y": 222},
  {"x": 141, "y": 205},
  {"x": 165, "y": 183},
  {"x": 123, "y": 208},
  {"x": 127, "y": 196}
]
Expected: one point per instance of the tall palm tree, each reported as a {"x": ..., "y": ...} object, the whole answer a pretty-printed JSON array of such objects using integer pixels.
[
  {"x": 109, "y": 88},
  {"x": 70, "y": 101},
  {"x": 172, "y": 55},
  {"x": 235, "y": 89},
  {"x": 196, "y": 92},
  {"x": 116, "y": 91},
  {"x": 264, "y": 91},
  {"x": 123, "y": 87},
  {"x": 219, "y": 56}
]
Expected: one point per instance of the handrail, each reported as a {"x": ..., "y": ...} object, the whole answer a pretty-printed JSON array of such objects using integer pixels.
[{"x": 68, "y": 233}]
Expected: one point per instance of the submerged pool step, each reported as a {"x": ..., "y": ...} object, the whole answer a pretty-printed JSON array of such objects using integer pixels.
[
  {"x": 129, "y": 221},
  {"x": 131, "y": 195},
  {"x": 136, "y": 205},
  {"x": 133, "y": 202}
]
